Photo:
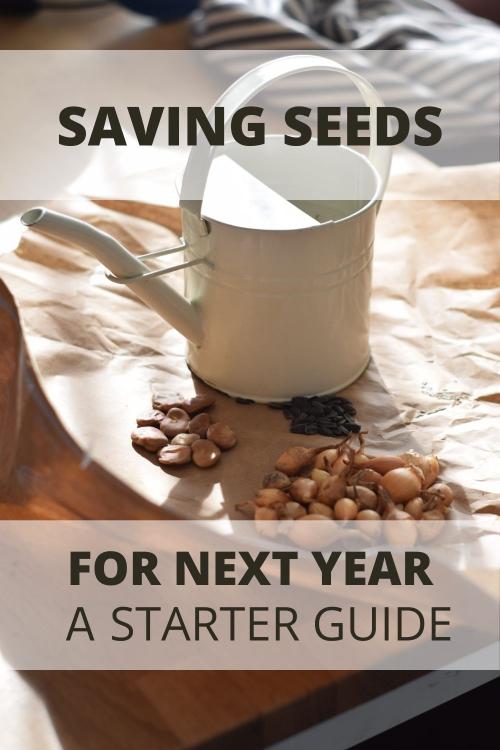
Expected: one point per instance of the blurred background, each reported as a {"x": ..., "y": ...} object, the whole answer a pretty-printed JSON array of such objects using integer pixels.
[{"x": 164, "y": 24}]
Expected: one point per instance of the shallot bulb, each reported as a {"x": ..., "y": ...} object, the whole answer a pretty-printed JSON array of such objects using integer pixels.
[
  {"x": 402, "y": 484},
  {"x": 428, "y": 465},
  {"x": 441, "y": 492},
  {"x": 296, "y": 458},
  {"x": 384, "y": 464}
]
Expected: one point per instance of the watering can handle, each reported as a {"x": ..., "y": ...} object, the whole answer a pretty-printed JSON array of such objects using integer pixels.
[{"x": 247, "y": 86}]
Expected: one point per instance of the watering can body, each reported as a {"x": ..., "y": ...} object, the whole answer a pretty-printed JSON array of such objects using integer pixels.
[
  {"x": 284, "y": 312},
  {"x": 268, "y": 313}
]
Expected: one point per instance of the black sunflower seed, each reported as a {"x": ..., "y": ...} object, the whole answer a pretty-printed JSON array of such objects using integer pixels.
[
  {"x": 329, "y": 415},
  {"x": 311, "y": 429}
]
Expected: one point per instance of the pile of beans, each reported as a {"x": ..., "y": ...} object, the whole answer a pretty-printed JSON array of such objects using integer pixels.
[
  {"x": 342, "y": 483},
  {"x": 333, "y": 416},
  {"x": 180, "y": 431}
]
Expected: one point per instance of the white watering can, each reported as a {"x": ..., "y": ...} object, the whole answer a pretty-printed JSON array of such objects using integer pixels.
[{"x": 270, "y": 311}]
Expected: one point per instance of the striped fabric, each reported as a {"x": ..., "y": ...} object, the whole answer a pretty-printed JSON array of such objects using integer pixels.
[
  {"x": 359, "y": 24},
  {"x": 453, "y": 59}
]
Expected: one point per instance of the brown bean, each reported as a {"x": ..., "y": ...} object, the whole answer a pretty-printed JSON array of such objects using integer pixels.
[
  {"x": 151, "y": 418},
  {"x": 198, "y": 403},
  {"x": 175, "y": 422},
  {"x": 200, "y": 424},
  {"x": 174, "y": 455},
  {"x": 222, "y": 435},
  {"x": 149, "y": 438},
  {"x": 304, "y": 490},
  {"x": 185, "y": 439},
  {"x": 205, "y": 453},
  {"x": 165, "y": 401}
]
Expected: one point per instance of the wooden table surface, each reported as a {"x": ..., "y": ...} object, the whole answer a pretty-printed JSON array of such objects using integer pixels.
[
  {"x": 130, "y": 710},
  {"x": 122, "y": 710}
]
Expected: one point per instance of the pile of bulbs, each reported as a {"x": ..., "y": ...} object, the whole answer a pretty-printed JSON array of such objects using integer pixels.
[{"x": 342, "y": 483}]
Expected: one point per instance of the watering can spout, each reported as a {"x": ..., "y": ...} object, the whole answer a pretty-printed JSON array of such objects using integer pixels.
[{"x": 154, "y": 291}]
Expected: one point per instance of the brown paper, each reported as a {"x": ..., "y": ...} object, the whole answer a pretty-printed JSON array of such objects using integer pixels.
[{"x": 433, "y": 383}]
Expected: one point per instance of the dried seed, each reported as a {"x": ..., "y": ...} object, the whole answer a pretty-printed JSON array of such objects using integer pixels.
[
  {"x": 185, "y": 439},
  {"x": 166, "y": 401},
  {"x": 205, "y": 453},
  {"x": 174, "y": 455},
  {"x": 151, "y": 418},
  {"x": 330, "y": 416},
  {"x": 149, "y": 438},
  {"x": 175, "y": 422},
  {"x": 199, "y": 424},
  {"x": 198, "y": 403},
  {"x": 222, "y": 435}
]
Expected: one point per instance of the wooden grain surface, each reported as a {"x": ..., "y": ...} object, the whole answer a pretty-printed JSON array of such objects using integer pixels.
[{"x": 45, "y": 475}]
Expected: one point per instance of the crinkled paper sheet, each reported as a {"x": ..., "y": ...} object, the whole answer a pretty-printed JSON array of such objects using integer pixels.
[{"x": 433, "y": 383}]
